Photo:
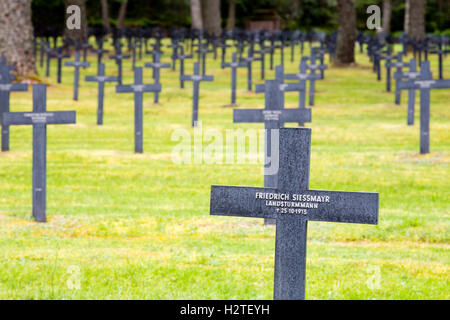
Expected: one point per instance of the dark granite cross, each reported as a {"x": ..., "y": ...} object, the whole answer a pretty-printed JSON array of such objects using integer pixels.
[
  {"x": 440, "y": 51},
  {"x": 118, "y": 57},
  {"x": 43, "y": 46},
  {"x": 5, "y": 88},
  {"x": 302, "y": 77},
  {"x": 223, "y": 45},
  {"x": 409, "y": 76},
  {"x": 59, "y": 55},
  {"x": 262, "y": 52},
  {"x": 248, "y": 60},
  {"x": 196, "y": 78},
  {"x": 233, "y": 65},
  {"x": 101, "y": 79},
  {"x": 156, "y": 66},
  {"x": 100, "y": 51},
  {"x": 138, "y": 88},
  {"x": 399, "y": 64},
  {"x": 182, "y": 57},
  {"x": 85, "y": 46},
  {"x": 312, "y": 83},
  {"x": 425, "y": 84},
  {"x": 76, "y": 80},
  {"x": 292, "y": 205},
  {"x": 389, "y": 56},
  {"x": 39, "y": 118},
  {"x": 202, "y": 51},
  {"x": 175, "y": 47},
  {"x": 49, "y": 51}
]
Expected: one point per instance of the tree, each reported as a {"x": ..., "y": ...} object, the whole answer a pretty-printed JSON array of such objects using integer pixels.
[
  {"x": 196, "y": 15},
  {"x": 345, "y": 51},
  {"x": 105, "y": 14},
  {"x": 122, "y": 14},
  {"x": 16, "y": 36},
  {"x": 231, "y": 22},
  {"x": 415, "y": 19},
  {"x": 76, "y": 23},
  {"x": 387, "y": 10},
  {"x": 211, "y": 17}
]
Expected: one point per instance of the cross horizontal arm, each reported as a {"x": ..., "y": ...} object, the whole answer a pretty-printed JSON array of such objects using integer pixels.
[
  {"x": 28, "y": 118},
  {"x": 313, "y": 205}
]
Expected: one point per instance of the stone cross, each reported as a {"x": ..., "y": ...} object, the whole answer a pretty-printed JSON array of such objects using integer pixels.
[
  {"x": 248, "y": 60},
  {"x": 100, "y": 51},
  {"x": 312, "y": 83},
  {"x": 59, "y": 55},
  {"x": 223, "y": 45},
  {"x": 399, "y": 64},
  {"x": 196, "y": 78},
  {"x": 5, "y": 89},
  {"x": 39, "y": 118},
  {"x": 425, "y": 84},
  {"x": 156, "y": 66},
  {"x": 388, "y": 57},
  {"x": 76, "y": 64},
  {"x": 302, "y": 77},
  {"x": 440, "y": 52},
  {"x": 138, "y": 88},
  {"x": 100, "y": 79},
  {"x": 292, "y": 204},
  {"x": 409, "y": 76},
  {"x": 175, "y": 47},
  {"x": 49, "y": 51},
  {"x": 262, "y": 52},
  {"x": 118, "y": 57},
  {"x": 182, "y": 57},
  {"x": 233, "y": 65},
  {"x": 202, "y": 51}
]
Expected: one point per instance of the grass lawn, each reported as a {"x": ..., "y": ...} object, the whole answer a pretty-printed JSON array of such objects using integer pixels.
[{"x": 137, "y": 226}]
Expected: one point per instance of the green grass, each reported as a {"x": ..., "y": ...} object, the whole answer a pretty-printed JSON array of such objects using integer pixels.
[{"x": 138, "y": 226}]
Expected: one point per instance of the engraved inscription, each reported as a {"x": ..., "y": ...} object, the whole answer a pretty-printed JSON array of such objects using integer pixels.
[
  {"x": 271, "y": 115},
  {"x": 425, "y": 84},
  {"x": 5, "y": 87},
  {"x": 138, "y": 87},
  {"x": 39, "y": 117},
  {"x": 286, "y": 203}
]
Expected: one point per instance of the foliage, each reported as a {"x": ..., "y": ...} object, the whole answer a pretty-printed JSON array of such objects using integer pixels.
[{"x": 310, "y": 14}]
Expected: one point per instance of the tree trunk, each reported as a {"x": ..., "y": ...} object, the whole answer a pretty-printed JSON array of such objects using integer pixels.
[
  {"x": 77, "y": 35},
  {"x": 231, "y": 23},
  {"x": 122, "y": 14},
  {"x": 415, "y": 24},
  {"x": 345, "y": 51},
  {"x": 211, "y": 17},
  {"x": 387, "y": 10},
  {"x": 16, "y": 36},
  {"x": 196, "y": 15},
  {"x": 105, "y": 15},
  {"x": 406, "y": 19}
]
